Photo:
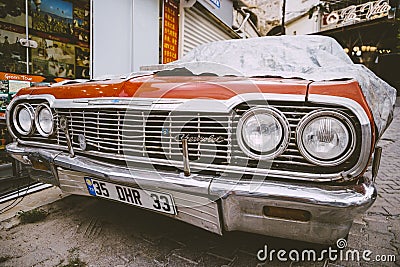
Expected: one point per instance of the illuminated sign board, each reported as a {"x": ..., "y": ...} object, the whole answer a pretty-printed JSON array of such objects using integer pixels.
[
  {"x": 356, "y": 13},
  {"x": 170, "y": 43}
]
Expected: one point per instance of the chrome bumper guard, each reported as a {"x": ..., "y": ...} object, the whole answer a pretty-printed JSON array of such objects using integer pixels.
[{"x": 308, "y": 212}]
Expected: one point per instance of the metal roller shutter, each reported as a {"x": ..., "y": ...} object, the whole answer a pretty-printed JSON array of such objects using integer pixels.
[{"x": 199, "y": 29}]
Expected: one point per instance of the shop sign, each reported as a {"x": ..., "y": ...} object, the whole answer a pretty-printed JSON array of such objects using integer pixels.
[
  {"x": 20, "y": 77},
  {"x": 170, "y": 43},
  {"x": 356, "y": 14}
]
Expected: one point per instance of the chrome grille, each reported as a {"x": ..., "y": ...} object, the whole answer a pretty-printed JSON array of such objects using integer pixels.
[
  {"x": 141, "y": 136},
  {"x": 153, "y": 135}
]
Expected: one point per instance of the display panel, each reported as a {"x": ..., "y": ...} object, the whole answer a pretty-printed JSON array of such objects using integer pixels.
[
  {"x": 12, "y": 54},
  {"x": 61, "y": 30}
]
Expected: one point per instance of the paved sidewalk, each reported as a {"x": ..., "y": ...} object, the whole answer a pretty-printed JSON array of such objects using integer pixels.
[
  {"x": 30, "y": 202},
  {"x": 379, "y": 229}
]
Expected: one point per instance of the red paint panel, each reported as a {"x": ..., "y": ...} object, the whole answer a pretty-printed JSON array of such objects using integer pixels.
[
  {"x": 175, "y": 87},
  {"x": 87, "y": 90},
  {"x": 348, "y": 89},
  {"x": 210, "y": 87}
]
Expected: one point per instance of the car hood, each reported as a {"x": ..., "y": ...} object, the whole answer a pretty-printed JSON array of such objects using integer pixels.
[{"x": 187, "y": 87}]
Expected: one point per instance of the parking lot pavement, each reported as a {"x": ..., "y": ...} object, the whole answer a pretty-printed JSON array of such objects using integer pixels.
[{"x": 102, "y": 233}]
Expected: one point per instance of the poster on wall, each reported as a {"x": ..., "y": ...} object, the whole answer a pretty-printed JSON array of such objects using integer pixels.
[
  {"x": 53, "y": 58},
  {"x": 57, "y": 26},
  {"x": 52, "y": 16},
  {"x": 82, "y": 62},
  {"x": 170, "y": 44},
  {"x": 13, "y": 12},
  {"x": 12, "y": 54},
  {"x": 82, "y": 23}
]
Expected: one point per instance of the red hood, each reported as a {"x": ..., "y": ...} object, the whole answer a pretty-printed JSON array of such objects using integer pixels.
[{"x": 174, "y": 87}]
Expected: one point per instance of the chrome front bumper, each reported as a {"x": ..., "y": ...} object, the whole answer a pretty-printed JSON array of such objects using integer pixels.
[{"x": 218, "y": 204}]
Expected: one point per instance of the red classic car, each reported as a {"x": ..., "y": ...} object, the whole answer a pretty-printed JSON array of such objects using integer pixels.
[{"x": 273, "y": 135}]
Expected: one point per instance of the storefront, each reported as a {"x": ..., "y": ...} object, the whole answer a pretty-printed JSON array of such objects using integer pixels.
[
  {"x": 59, "y": 34},
  {"x": 191, "y": 23},
  {"x": 368, "y": 32},
  {"x": 206, "y": 21},
  {"x": 92, "y": 38}
]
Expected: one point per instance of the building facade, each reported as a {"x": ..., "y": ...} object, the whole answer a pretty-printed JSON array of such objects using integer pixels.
[
  {"x": 91, "y": 38},
  {"x": 367, "y": 30},
  {"x": 150, "y": 32}
]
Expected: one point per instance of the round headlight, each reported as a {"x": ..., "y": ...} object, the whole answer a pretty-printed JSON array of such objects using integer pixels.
[
  {"x": 44, "y": 120},
  {"x": 326, "y": 138},
  {"x": 263, "y": 133},
  {"x": 23, "y": 119}
]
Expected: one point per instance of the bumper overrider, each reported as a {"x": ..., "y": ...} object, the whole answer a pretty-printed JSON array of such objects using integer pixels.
[{"x": 308, "y": 212}]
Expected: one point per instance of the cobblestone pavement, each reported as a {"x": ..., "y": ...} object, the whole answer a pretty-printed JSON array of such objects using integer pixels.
[
  {"x": 103, "y": 233},
  {"x": 379, "y": 229}
]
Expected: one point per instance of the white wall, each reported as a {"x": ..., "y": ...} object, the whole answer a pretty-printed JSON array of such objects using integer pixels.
[
  {"x": 112, "y": 37},
  {"x": 295, "y": 8},
  {"x": 145, "y": 33},
  {"x": 303, "y": 25},
  {"x": 125, "y": 35},
  {"x": 297, "y": 21}
]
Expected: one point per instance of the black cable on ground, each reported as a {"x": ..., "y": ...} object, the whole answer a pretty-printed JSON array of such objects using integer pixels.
[{"x": 16, "y": 201}]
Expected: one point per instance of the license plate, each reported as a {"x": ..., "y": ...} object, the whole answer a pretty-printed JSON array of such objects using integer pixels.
[{"x": 161, "y": 202}]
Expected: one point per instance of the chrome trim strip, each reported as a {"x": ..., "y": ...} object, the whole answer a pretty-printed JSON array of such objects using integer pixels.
[
  {"x": 376, "y": 162},
  {"x": 226, "y": 170},
  {"x": 185, "y": 152},
  {"x": 325, "y": 195},
  {"x": 169, "y": 104},
  {"x": 64, "y": 127}
]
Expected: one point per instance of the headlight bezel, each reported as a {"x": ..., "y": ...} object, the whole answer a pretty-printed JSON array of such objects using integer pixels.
[
  {"x": 282, "y": 145},
  {"x": 16, "y": 121},
  {"x": 39, "y": 128},
  {"x": 342, "y": 118}
]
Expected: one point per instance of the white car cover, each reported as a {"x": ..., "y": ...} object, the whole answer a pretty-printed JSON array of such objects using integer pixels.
[{"x": 315, "y": 58}]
